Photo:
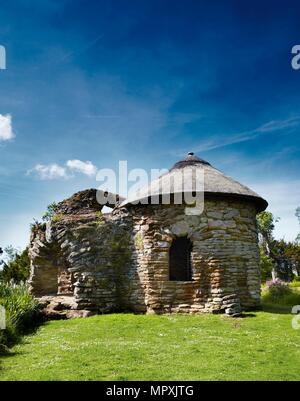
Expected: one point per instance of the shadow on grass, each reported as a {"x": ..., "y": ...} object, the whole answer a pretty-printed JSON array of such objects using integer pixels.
[
  {"x": 7, "y": 352},
  {"x": 245, "y": 315},
  {"x": 279, "y": 309},
  {"x": 27, "y": 328},
  {"x": 10, "y": 353}
]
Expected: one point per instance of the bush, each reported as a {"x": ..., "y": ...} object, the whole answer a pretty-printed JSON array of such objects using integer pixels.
[
  {"x": 295, "y": 283},
  {"x": 50, "y": 212},
  {"x": 280, "y": 293},
  {"x": 22, "y": 313},
  {"x": 278, "y": 289}
]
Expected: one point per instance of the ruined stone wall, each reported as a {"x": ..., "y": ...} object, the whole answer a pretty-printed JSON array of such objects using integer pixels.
[
  {"x": 100, "y": 258},
  {"x": 96, "y": 253},
  {"x": 120, "y": 261},
  {"x": 84, "y": 253}
]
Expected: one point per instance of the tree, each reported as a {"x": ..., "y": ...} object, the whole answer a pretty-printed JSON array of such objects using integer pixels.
[
  {"x": 287, "y": 259},
  {"x": 265, "y": 225},
  {"x": 290, "y": 252},
  {"x": 283, "y": 258},
  {"x": 1, "y": 261},
  {"x": 17, "y": 266},
  {"x": 50, "y": 212},
  {"x": 297, "y": 214},
  {"x": 266, "y": 266}
]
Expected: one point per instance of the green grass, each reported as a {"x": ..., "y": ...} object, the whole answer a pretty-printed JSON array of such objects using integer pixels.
[{"x": 262, "y": 346}]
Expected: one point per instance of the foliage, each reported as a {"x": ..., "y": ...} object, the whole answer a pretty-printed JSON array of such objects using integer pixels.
[
  {"x": 285, "y": 256},
  {"x": 99, "y": 218},
  {"x": 50, "y": 212},
  {"x": 280, "y": 293},
  {"x": 147, "y": 347},
  {"x": 266, "y": 266},
  {"x": 1, "y": 261},
  {"x": 17, "y": 267},
  {"x": 297, "y": 214},
  {"x": 295, "y": 283},
  {"x": 277, "y": 289},
  {"x": 266, "y": 224},
  {"x": 21, "y": 312},
  {"x": 36, "y": 226}
]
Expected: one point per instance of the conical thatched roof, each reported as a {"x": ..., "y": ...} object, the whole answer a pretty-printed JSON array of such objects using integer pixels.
[{"x": 215, "y": 183}]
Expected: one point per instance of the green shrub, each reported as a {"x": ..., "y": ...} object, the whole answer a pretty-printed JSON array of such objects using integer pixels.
[
  {"x": 100, "y": 221},
  {"x": 278, "y": 289},
  {"x": 22, "y": 312},
  {"x": 50, "y": 212},
  {"x": 295, "y": 283},
  {"x": 278, "y": 292}
]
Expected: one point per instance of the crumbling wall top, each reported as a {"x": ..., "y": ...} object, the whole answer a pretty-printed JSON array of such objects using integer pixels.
[{"x": 82, "y": 202}]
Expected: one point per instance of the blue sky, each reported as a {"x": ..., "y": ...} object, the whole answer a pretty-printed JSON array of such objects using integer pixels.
[{"x": 146, "y": 81}]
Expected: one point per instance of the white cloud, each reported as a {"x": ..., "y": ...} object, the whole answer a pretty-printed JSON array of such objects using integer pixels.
[
  {"x": 79, "y": 166},
  {"x": 49, "y": 172},
  {"x": 216, "y": 142},
  {"x": 6, "y": 131},
  {"x": 55, "y": 171}
]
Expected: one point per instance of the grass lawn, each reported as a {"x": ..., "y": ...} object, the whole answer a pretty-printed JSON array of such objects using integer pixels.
[{"x": 136, "y": 347}]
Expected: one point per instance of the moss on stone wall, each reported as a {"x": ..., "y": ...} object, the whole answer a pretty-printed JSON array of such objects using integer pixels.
[
  {"x": 100, "y": 220},
  {"x": 138, "y": 241},
  {"x": 57, "y": 218}
]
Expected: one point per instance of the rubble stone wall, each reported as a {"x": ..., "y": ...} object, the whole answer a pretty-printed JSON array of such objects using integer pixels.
[
  {"x": 225, "y": 258},
  {"x": 120, "y": 261}
]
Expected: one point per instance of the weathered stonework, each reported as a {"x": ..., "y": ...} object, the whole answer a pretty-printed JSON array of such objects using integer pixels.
[
  {"x": 120, "y": 261},
  {"x": 225, "y": 258}
]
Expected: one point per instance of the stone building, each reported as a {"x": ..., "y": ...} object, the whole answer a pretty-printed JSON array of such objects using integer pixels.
[{"x": 152, "y": 257}]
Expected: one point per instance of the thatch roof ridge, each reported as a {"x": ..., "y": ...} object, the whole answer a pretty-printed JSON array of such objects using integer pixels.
[{"x": 215, "y": 183}]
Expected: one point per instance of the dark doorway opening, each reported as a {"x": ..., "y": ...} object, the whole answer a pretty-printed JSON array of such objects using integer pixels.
[{"x": 180, "y": 259}]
